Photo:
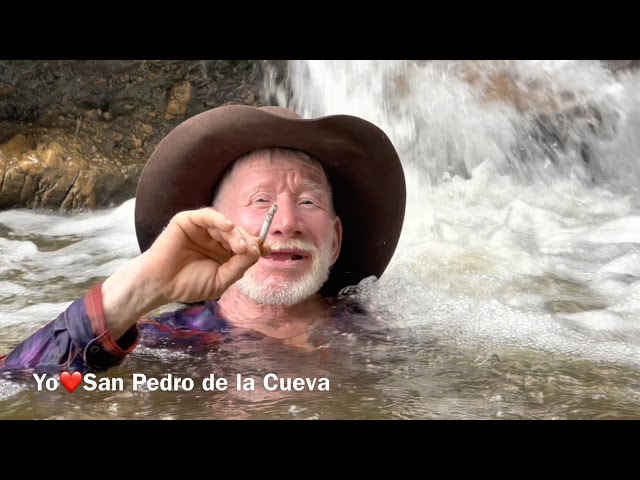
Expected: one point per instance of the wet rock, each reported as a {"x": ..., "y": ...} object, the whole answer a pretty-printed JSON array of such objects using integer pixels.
[
  {"x": 179, "y": 99},
  {"x": 52, "y": 169}
]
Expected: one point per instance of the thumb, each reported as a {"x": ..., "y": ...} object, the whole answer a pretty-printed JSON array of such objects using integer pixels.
[{"x": 265, "y": 250}]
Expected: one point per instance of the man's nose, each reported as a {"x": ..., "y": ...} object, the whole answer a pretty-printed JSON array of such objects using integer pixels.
[{"x": 286, "y": 221}]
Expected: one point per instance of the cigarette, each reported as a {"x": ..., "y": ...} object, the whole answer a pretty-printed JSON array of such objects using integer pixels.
[{"x": 267, "y": 224}]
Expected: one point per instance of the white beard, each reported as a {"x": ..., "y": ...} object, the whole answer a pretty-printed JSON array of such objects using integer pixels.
[{"x": 277, "y": 292}]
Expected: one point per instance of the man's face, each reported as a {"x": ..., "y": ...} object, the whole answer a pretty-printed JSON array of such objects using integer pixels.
[{"x": 305, "y": 234}]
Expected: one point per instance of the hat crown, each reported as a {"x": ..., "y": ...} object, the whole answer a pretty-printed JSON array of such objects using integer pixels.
[{"x": 282, "y": 111}]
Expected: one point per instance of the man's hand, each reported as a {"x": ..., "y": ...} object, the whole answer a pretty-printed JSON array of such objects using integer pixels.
[{"x": 198, "y": 256}]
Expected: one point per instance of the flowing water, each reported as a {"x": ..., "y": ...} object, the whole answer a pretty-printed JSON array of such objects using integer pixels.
[{"x": 514, "y": 292}]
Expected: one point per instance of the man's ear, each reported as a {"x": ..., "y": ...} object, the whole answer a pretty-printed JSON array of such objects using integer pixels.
[{"x": 338, "y": 239}]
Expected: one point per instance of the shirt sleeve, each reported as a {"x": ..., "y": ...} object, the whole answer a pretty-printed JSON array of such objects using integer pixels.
[{"x": 76, "y": 340}]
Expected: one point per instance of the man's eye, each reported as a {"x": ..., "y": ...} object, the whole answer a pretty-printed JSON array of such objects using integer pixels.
[
  {"x": 309, "y": 202},
  {"x": 261, "y": 199}
]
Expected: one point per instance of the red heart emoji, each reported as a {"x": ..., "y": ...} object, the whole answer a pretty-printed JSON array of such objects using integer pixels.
[{"x": 71, "y": 380}]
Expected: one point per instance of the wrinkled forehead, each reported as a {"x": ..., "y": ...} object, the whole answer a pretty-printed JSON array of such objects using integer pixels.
[
  {"x": 284, "y": 159},
  {"x": 247, "y": 168}
]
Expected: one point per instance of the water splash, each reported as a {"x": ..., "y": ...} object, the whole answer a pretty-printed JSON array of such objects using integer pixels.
[
  {"x": 522, "y": 195},
  {"x": 534, "y": 120}
]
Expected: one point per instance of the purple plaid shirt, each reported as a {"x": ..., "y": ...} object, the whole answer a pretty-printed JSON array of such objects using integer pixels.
[{"x": 78, "y": 338}]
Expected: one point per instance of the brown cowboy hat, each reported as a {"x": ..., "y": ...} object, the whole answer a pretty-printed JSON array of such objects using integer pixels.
[{"x": 363, "y": 167}]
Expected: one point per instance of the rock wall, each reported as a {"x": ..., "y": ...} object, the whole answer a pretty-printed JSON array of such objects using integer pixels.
[{"x": 75, "y": 134}]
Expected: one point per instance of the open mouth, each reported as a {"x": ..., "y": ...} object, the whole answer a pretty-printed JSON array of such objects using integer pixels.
[{"x": 287, "y": 256}]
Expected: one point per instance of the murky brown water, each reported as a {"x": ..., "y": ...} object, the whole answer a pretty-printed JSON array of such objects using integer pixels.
[{"x": 368, "y": 379}]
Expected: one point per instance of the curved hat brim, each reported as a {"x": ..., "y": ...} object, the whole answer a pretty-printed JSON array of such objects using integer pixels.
[{"x": 363, "y": 167}]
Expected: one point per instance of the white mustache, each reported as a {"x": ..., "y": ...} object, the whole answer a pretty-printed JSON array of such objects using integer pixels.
[{"x": 293, "y": 245}]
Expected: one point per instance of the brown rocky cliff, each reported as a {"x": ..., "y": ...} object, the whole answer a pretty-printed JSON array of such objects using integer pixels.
[{"x": 75, "y": 134}]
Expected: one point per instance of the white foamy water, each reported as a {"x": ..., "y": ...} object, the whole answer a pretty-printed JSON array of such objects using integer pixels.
[
  {"x": 512, "y": 239},
  {"x": 47, "y": 260},
  {"x": 522, "y": 216}
]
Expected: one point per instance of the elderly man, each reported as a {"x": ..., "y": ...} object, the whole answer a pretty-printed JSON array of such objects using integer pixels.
[{"x": 201, "y": 202}]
